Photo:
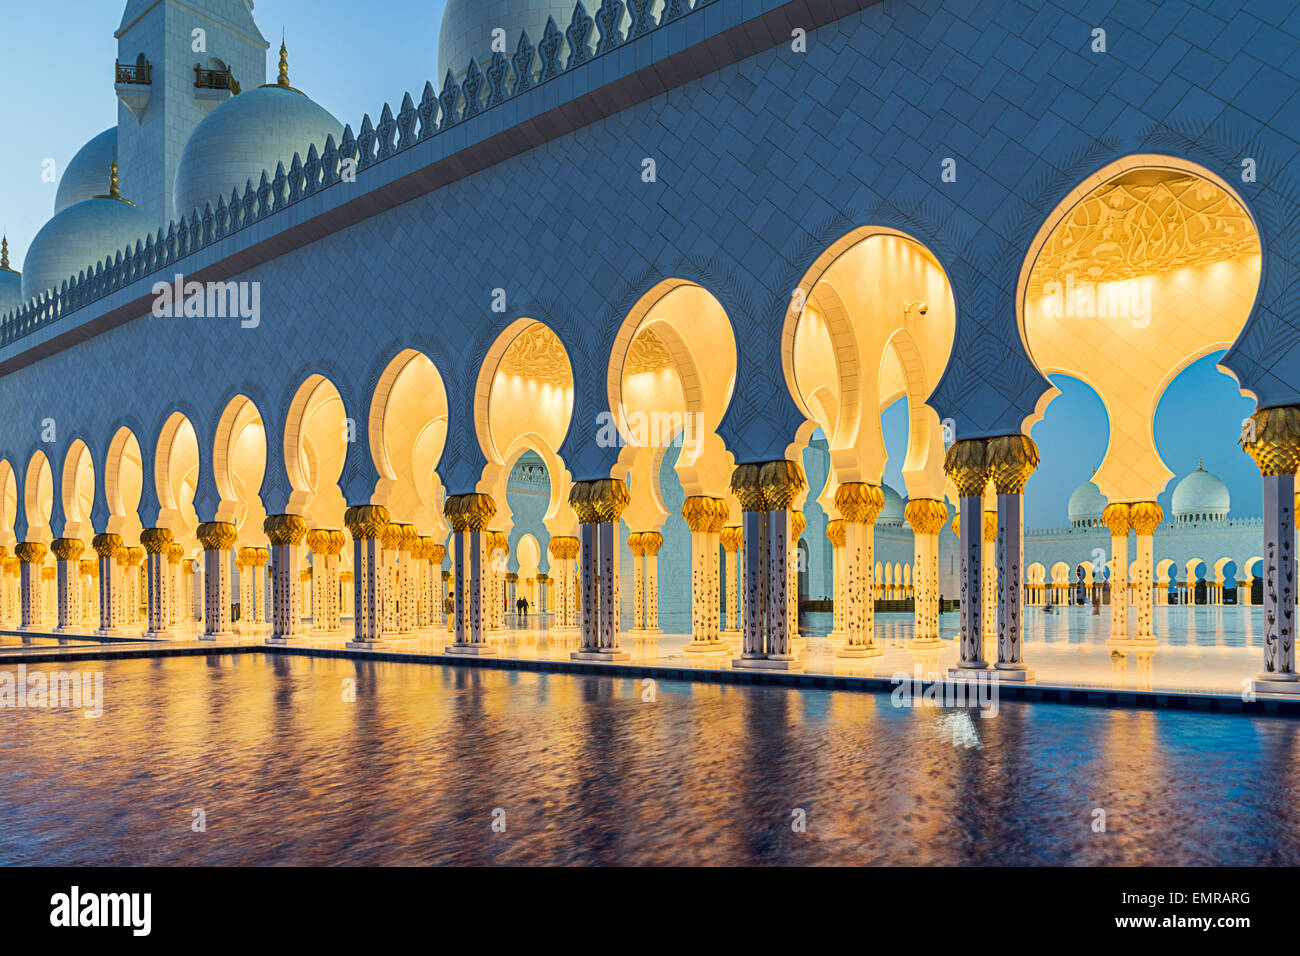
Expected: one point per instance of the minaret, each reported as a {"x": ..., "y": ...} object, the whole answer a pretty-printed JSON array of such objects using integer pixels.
[
  {"x": 4, "y": 255},
  {"x": 158, "y": 111}
]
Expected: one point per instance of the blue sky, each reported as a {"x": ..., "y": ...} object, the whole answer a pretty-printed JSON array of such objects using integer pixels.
[{"x": 352, "y": 58}]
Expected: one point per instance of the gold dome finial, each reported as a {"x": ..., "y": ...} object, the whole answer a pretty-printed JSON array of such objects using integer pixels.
[
  {"x": 113, "y": 191},
  {"x": 283, "y": 78},
  {"x": 4, "y": 254}
]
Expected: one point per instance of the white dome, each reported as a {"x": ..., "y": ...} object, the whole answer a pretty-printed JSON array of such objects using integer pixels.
[
  {"x": 1086, "y": 503},
  {"x": 467, "y": 27},
  {"x": 244, "y": 136},
  {"x": 77, "y": 238},
  {"x": 893, "y": 509},
  {"x": 85, "y": 176},
  {"x": 1200, "y": 496}
]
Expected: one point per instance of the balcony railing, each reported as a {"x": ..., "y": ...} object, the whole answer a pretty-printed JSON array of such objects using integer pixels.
[
  {"x": 139, "y": 73},
  {"x": 214, "y": 79}
]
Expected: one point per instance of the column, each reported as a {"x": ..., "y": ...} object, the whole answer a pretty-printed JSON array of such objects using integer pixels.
[
  {"x": 436, "y": 553},
  {"x": 217, "y": 538},
  {"x": 157, "y": 542},
  {"x": 1274, "y": 443},
  {"x": 837, "y": 536},
  {"x": 1011, "y": 459},
  {"x": 562, "y": 549},
  {"x": 245, "y": 561},
  {"x": 176, "y": 606},
  {"x": 730, "y": 538},
  {"x": 67, "y": 551},
  {"x": 1118, "y": 518},
  {"x": 347, "y": 597},
  {"x": 599, "y": 505},
  {"x": 651, "y": 542},
  {"x": 193, "y": 592},
  {"x": 469, "y": 516},
  {"x": 31, "y": 557},
  {"x": 89, "y": 571},
  {"x": 106, "y": 547},
  {"x": 1145, "y": 516},
  {"x": 512, "y": 592},
  {"x": 286, "y": 533},
  {"x": 859, "y": 504},
  {"x": 9, "y": 587},
  {"x": 134, "y": 563},
  {"x": 965, "y": 464},
  {"x": 766, "y": 492},
  {"x": 368, "y": 525},
  {"x": 543, "y": 592},
  {"x": 390, "y": 540},
  {"x": 405, "y": 579},
  {"x": 448, "y": 614},
  {"x": 705, "y": 517},
  {"x": 927, "y": 517},
  {"x": 638, "y": 581},
  {"x": 326, "y": 545},
  {"x": 989, "y": 579}
]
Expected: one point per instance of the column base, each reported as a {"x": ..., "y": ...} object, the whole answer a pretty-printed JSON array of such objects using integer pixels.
[
  {"x": 858, "y": 650},
  {"x": 337, "y": 632},
  {"x": 1012, "y": 672},
  {"x": 704, "y": 647},
  {"x": 967, "y": 670},
  {"x": 364, "y": 645},
  {"x": 159, "y": 636},
  {"x": 283, "y": 640},
  {"x": 221, "y": 636},
  {"x": 468, "y": 649},
  {"x": 769, "y": 662},
  {"x": 606, "y": 655},
  {"x": 925, "y": 643},
  {"x": 1274, "y": 683},
  {"x": 636, "y": 631}
]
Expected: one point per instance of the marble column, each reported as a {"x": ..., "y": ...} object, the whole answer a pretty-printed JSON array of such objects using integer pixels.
[
  {"x": 989, "y": 580},
  {"x": 543, "y": 592},
  {"x": 368, "y": 525},
  {"x": 67, "y": 551},
  {"x": 767, "y": 491},
  {"x": 437, "y": 553},
  {"x": 405, "y": 579},
  {"x": 217, "y": 538},
  {"x": 1145, "y": 517},
  {"x": 157, "y": 542},
  {"x": 1119, "y": 520},
  {"x": 731, "y": 538},
  {"x": 1274, "y": 443},
  {"x": 1010, "y": 459},
  {"x": 135, "y": 558},
  {"x": 859, "y": 503},
  {"x": 965, "y": 465},
  {"x": 245, "y": 562},
  {"x": 469, "y": 516},
  {"x": 563, "y": 549},
  {"x": 390, "y": 541},
  {"x": 10, "y": 574},
  {"x": 837, "y": 536},
  {"x": 927, "y": 517},
  {"x": 651, "y": 542},
  {"x": 31, "y": 557},
  {"x": 599, "y": 505},
  {"x": 177, "y": 606},
  {"x": 638, "y": 581},
  {"x": 286, "y": 533},
  {"x": 326, "y": 545},
  {"x": 106, "y": 547},
  {"x": 705, "y": 516}
]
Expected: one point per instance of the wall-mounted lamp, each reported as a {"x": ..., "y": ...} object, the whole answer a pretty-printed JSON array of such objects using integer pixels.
[{"x": 917, "y": 304}]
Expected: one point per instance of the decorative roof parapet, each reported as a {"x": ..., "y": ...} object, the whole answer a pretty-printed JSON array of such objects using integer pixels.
[{"x": 506, "y": 78}]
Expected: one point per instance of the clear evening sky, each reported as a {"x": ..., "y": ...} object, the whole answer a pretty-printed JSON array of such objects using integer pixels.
[{"x": 56, "y": 92}]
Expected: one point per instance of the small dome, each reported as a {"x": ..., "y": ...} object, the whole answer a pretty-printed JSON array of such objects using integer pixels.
[
  {"x": 1086, "y": 504},
  {"x": 11, "y": 283},
  {"x": 467, "y": 27},
  {"x": 245, "y": 136},
  {"x": 84, "y": 177},
  {"x": 79, "y": 237},
  {"x": 1200, "y": 496},
  {"x": 893, "y": 510}
]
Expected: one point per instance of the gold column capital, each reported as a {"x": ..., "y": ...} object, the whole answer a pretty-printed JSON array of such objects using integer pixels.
[
  {"x": 106, "y": 545},
  {"x": 89, "y": 567},
  {"x": 1145, "y": 516},
  {"x": 1118, "y": 518},
  {"x": 326, "y": 541},
  {"x": 966, "y": 463},
  {"x": 30, "y": 552},
  {"x": 216, "y": 535},
  {"x": 859, "y": 502},
  {"x": 798, "y": 524},
  {"x": 156, "y": 540},
  {"x": 285, "y": 529},
  {"x": 470, "y": 512},
  {"x": 782, "y": 481},
  {"x": 634, "y": 542},
  {"x": 366, "y": 522},
  {"x": 925, "y": 515},
  {"x": 175, "y": 553},
  {"x": 1274, "y": 443},
  {"x": 67, "y": 549},
  {"x": 704, "y": 514},
  {"x": 747, "y": 486},
  {"x": 1010, "y": 460},
  {"x": 732, "y": 537},
  {"x": 565, "y": 547},
  {"x": 437, "y": 553},
  {"x": 598, "y": 501},
  {"x": 990, "y": 526},
  {"x": 835, "y": 532},
  {"x": 651, "y": 541}
]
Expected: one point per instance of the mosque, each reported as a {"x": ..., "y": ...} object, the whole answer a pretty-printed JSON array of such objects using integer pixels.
[{"x": 606, "y": 317}]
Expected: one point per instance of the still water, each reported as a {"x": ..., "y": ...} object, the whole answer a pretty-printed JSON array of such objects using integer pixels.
[{"x": 287, "y": 769}]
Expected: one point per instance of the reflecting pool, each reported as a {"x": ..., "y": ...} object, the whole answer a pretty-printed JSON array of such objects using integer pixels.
[{"x": 311, "y": 761}]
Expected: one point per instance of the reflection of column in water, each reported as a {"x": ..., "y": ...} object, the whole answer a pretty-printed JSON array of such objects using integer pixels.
[
  {"x": 1146, "y": 669},
  {"x": 1118, "y": 670}
]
